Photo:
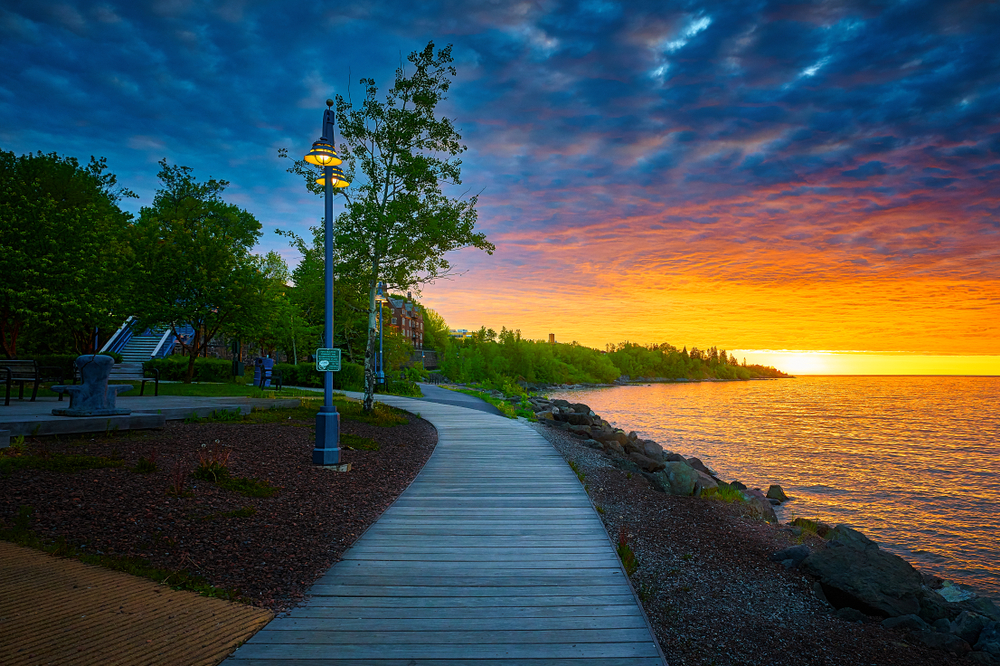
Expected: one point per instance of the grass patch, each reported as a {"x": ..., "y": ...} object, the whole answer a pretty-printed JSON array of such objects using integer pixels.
[
  {"x": 813, "y": 526},
  {"x": 357, "y": 442},
  {"x": 146, "y": 465},
  {"x": 22, "y": 534},
  {"x": 382, "y": 415},
  {"x": 576, "y": 470},
  {"x": 248, "y": 487},
  {"x": 724, "y": 493},
  {"x": 229, "y": 390},
  {"x": 509, "y": 410},
  {"x": 63, "y": 463}
]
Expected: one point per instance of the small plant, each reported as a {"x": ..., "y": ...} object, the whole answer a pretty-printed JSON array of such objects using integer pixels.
[
  {"x": 600, "y": 510},
  {"x": 358, "y": 443},
  {"x": 248, "y": 487},
  {"x": 687, "y": 557},
  {"x": 576, "y": 470},
  {"x": 724, "y": 493},
  {"x": 625, "y": 554},
  {"x": 213, "y": 462},
  {"x": 146, "y": 465},
  {"x": 178, "y": 477}
]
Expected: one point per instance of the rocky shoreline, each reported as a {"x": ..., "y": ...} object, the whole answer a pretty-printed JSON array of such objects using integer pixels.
[{"x": 847, "y": 571}]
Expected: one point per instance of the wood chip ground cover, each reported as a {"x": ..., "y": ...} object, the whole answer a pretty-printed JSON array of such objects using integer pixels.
[{"x": 268, "y": 549}]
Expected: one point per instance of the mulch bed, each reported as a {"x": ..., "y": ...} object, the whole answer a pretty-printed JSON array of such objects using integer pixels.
[{"x": 270, "y": 557}]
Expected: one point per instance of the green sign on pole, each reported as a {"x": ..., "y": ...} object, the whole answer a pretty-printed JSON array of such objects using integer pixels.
[{"x": 328, "y": 360}]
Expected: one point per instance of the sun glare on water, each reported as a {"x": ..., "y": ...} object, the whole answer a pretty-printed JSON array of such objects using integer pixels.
[{"x": 804, "y": 362}]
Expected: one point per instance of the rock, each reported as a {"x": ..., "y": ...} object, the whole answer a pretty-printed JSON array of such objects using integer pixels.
[
  {"x": 946, "y": 642},
  {"x": 612, "y": 445},
  {"x": 592, "y": 443},
  {"x": 580, "y": 408},
  {"x": 700, "y": 466},
  {"x": 678, "y": 478},
  {"x": 906, "y": 623},
  {"x": 621, "y": 437},
  {"x": 646, "y": 463},
  {"x": 774, "y": 502},
  {"x": 776, "y": 493},
  {"x": 819, "y": 528},
  {"x": 933, "y": 607},
  {"x": 674, "y": 457},
  {"x": 855, "y": 572},
  {"x": 703, "y": 482},
  {"x": 632, "y": 446},
  {"x": 968, "y": 626},
  {"x": 794, "y": 553},
  {"x": 561, "y": 403},
  {"x": 983, "y": 658},
  {"x": 849, "y": 614},
  {"x": 651, "y": 449},
  {"x": 545, "y": 415},
  {"x": 989, "y": 639},
  {"x": 983, "y": 606},
  {"x": 942, "y": 625},
  {"x": 633, "y": 436},
  {"x": 580, "y": 431},
  {"x": 761, "y": 508},
  {"x": 738, "y": 485}
]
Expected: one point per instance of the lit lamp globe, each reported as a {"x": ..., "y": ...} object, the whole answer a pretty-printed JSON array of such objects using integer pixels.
[{"x": 338, "y": 179}]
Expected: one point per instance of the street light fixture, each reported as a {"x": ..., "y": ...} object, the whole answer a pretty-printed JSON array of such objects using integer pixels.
[{"x": 324, "y": 154}]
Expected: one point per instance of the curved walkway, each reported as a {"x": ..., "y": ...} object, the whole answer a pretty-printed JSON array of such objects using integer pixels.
[{"x": 494, "y": 554}]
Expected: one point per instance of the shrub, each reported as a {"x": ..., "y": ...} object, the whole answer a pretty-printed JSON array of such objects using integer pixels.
[
  {"x": 248, "y": 487},
  {"x": 174, "y": 368},
  {"x": 724, "y": 492},
  {"x": 212, "y": 462},
  {"x": 626, "y": 554}
]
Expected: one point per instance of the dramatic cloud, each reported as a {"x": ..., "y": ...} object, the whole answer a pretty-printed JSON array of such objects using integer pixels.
[{"x": 755, "y": 175}]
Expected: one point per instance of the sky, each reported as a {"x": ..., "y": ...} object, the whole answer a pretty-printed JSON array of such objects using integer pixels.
[{"x": 811, "y": 185}]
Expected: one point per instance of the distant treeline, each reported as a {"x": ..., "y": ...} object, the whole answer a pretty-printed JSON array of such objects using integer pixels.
[{"x": 487, "y": 356}]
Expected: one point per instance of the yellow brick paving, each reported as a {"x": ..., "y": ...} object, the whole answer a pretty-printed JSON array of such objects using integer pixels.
[{"x": 59, "y": 611}]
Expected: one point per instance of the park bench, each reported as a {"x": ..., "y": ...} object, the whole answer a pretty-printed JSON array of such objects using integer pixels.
[
  {"x": 130, "y": 372},
  {"x": 24, "y": 371}
]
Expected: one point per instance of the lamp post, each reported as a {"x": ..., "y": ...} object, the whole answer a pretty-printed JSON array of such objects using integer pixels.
[
  {"x": 381, "y": 358},
  {"x": 324, "y": 154}
]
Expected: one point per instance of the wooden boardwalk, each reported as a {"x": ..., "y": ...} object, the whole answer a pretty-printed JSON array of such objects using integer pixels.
[{"x": 494, "y": 554}]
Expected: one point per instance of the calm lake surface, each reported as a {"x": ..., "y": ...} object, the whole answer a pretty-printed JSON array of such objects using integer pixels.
[{"x": 913, "y": 462}]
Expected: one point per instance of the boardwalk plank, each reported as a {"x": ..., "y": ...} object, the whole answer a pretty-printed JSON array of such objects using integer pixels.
[{"x": 494, "y": 554}]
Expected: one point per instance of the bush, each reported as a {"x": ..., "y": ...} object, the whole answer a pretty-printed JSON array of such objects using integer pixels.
[
  {"x": 350, "y": 378},
  {"x": 174, "y": 368}
]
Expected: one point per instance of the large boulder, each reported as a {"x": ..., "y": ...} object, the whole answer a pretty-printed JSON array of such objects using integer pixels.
[
  {"x": 945, "y": 642},
  {"x": 651, "y": 449},
  {"x": 906, "y": 623},
  {"x": 700, "y": 466},
  {"x": 855, "y": 572},
  {"x": 793, "y": 554},
  {"x": 761, "y": 508},
  {"x": 574, "y": 418},
  {"x": 968, "y": 626},
  {"x": 678, "y": 478},
  {"x": 989, "y": 639},
  {"x": 775, "y": 492},
  {"x": 581, "y": 431},
  {"x": 704, "y": 482},
  {"x": 645, "y": 463}
]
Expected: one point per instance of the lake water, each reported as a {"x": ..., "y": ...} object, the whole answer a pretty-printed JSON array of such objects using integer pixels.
[{"x": 913, "y": 462}]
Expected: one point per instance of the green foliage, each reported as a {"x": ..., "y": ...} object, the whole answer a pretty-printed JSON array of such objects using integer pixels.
[
  {"x": 576, "y": 470},
  {"x": 350, "y": 378},
  {"x": 358, "y": 443},
  {"x": 146, "y": 465},
  {"x": 665, "y": 360},
  {"x": 194, "y": 250},
  {"x": 63, "y": 249},
  {"x": 626, "y": 555},
  {"x": 489, "y": 357},
  {"x": 248, "y": 487},
  {"x": 399, "y": 224},
  {"x": 175, "y": 368},
  {"x": 725, "y": 493}
]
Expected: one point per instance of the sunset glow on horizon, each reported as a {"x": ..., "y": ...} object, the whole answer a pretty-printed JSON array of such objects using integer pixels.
[{"x": 820, "y": 178}]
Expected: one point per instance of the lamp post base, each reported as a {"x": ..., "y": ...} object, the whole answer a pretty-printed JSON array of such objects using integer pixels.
[{"x": 327, "y": 451}]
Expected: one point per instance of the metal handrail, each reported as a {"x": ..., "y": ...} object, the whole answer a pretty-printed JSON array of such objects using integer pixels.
[
  {"x": 159, "y": 344},
  {"x": 114, "y": 338}
]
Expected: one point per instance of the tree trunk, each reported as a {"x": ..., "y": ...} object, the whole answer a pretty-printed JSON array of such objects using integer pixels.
[
  {"x": 193, "y": 356},
  {"x": 8, "y": 336},
  {"x": 370, "y": 372}
]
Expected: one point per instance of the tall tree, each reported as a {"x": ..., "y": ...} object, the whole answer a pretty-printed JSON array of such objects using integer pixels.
[
  {"x": 197, "y": 269},
  {"x": 401, "y": 155},
  {"x": 64, "y": 253}
]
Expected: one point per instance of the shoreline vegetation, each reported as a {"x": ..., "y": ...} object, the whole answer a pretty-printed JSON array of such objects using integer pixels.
[
  {"x": 490, "y": 357},
  {"x": 836, "y": 569}
]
